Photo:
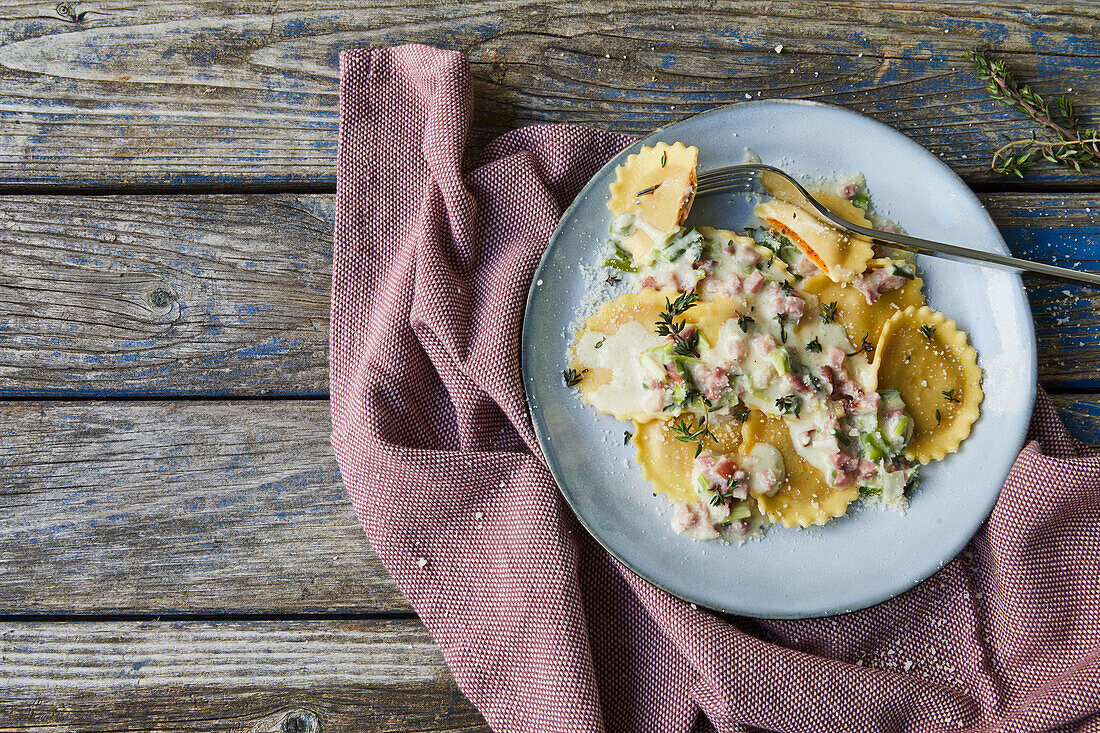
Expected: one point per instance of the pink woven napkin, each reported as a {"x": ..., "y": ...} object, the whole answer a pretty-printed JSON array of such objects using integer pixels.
[{"x": 542, "y": 629}]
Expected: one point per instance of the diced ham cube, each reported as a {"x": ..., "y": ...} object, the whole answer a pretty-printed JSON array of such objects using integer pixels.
[
  {"x": 739, "y": 527},
  {"x": 712, "y": 381},
  {"x": 849, "y": 190},
  {"x": 877, "y": 281},
  {"x": 747, "y": 256},
  {"x": 754, "y": 282},
  {"x": 806, "y": 267},
  {"x": 737, "y": 350},
  {"x": 867, "y": 469},
  {"x": 799, "y": 384},
  {"x": 694, "y": 519},
  {"x": 762, "y": 343},
  {"x": 834, "y": 357},
  {"x": 725, "y": 468},
  {"x": 768, "y": 480}
]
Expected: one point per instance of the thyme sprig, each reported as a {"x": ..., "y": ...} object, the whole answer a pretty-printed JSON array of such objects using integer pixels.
[
  {"x": 688, "y": 430},
  {"x": 667, "y": 325},
  {"x": 572, "y": 377},
  {"x": 865, "y": 346},
  {"x": 1060, "y": 138}
]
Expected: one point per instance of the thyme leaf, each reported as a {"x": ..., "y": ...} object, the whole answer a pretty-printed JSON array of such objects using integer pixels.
[{"x": 572, "y": 377}]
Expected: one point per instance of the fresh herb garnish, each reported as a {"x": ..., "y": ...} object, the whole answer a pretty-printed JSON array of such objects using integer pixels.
[
  {"x": 688, "y": 430},
  {"x": 841, "y": 437},
  {"x": 1059, "y": 139},
  {"x": 937, "y": 417},
  {"x": 744, "y": 322},
  {"x": 664, "y": 158},
  {"x": 865, "y": 346},
  {"x": 667, "y": 325},
  {"x": 687, "y": 345},
  {"x": 828, "y": 312},
  {"x": 950, "y": 396},
  {"x": 572, "y": 377},
  {"x": 781, "y": 319},
  {"x": 599, "y": 343},
  {"x": 786, "y": 286},
  {"x": 927, "y": 331},
  {"x": 814, "y": 346},
  {"x": 627, "y": 435},
  {"x": 613, "y": 279},
  {"x": 789, "y": 405},
  {"x": 647, "y": 191},
  {"x": 741, "y": 414}
]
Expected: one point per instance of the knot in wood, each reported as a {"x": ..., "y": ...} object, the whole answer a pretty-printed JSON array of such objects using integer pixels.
[
  {"x": 160, "y": 297},
  {"x": 301, "y": 721}
]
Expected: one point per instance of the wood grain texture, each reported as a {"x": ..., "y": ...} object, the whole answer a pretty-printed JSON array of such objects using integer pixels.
[
  {"x": 204, "y": 294},
  {"x": 217, "y": 91},
  {"x": 229, "y": 295},
  {"x": 259, "y": 677},
  {"x": 174, "y": 506},
  {"x": 198, "y": 508}
]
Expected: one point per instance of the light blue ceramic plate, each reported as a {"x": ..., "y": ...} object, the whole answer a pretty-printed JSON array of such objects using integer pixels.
[{"x": 870, "y": 555}]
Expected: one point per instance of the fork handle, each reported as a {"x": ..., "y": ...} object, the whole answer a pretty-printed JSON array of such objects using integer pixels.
[{"x": 963, "y": 254}]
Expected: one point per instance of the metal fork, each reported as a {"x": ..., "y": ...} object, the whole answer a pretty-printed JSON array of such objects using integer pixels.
[{"x": 758, "y": 178}]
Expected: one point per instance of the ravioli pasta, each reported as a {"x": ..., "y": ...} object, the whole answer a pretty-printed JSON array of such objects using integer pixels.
[{"x": 774, "y": 375}]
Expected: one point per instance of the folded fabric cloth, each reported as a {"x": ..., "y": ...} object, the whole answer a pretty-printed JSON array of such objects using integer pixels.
[{"x": 541, "y": 628}]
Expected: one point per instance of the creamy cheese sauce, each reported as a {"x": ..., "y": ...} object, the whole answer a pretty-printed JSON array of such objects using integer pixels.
[{"x": 753, "y": 340}]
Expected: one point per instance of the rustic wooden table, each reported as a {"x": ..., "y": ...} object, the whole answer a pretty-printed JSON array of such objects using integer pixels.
[{"x": 176, "y": 549}]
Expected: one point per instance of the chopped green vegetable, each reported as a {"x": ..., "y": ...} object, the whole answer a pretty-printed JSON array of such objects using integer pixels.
[
  {"x": 739, "y": 511},
  {"x": 781, "y": 358},
  {"x": 862, "y": 201},
  {"x": 689, "y": 242},
  {"x": 904, "y": 271},
  {"x": 620, "y": 259},
  {"x": 874, "y": 446}
]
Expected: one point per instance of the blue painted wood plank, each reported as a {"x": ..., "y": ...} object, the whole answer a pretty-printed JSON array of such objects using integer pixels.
[
  {"x": 211, "y": 94},
  {"x": 229, "y": 295}
]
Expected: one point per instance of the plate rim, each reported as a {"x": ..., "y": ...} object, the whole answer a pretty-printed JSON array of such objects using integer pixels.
[{"x": 549, "y": 457}]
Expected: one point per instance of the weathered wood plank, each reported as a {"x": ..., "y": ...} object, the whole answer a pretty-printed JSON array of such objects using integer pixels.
[
  {"x": 227, "y": 676},
  {"x": 179, "y": 507},
  {"x": 228, "y": 295},
  {"x": 218, "y": 295},
  {"x": 213, "y": 91},
  {"x": 198, "y": 507}
]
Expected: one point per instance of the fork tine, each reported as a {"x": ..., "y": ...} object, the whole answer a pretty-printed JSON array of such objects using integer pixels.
[{"x": 721, "y": 180}]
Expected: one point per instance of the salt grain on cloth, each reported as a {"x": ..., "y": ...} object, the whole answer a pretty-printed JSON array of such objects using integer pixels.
[{"x": 542, "y": 629}]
